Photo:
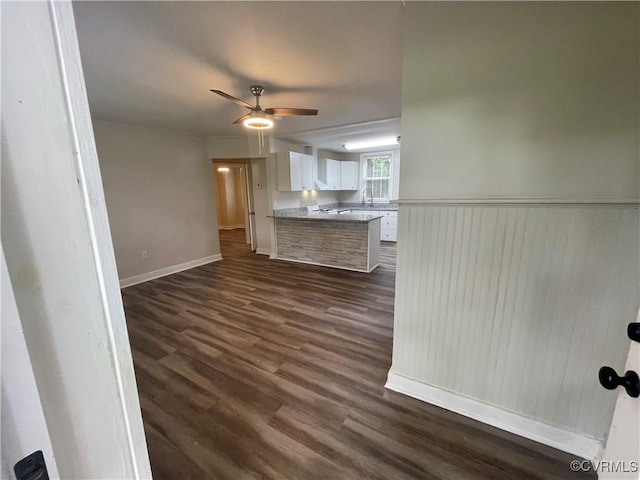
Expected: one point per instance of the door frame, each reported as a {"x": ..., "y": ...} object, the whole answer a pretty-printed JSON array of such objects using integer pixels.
[
  {"x": 248, "y": 196},
  {"x": 622, "y": 450},
  {"x": 24, "y": 427},
  {"x": 59, "y": 117}
]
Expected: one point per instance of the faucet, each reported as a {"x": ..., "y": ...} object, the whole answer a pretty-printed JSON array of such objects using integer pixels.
[{"x": 364, "y": 195}]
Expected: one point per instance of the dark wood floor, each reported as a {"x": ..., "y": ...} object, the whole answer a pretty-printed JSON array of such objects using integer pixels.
[{"x": 255, "y": 368}]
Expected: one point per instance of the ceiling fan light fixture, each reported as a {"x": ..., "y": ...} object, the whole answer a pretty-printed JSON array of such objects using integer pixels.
[
  {"x": 258, "y": 121},
  {"x": 258, "y": 118},
  {"x": 372, "y": 143}
]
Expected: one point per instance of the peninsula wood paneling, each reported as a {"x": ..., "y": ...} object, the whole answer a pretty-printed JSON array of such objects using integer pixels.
[
  {"x": 518, "y": 306},
  {"x": 339, "y": 244}
]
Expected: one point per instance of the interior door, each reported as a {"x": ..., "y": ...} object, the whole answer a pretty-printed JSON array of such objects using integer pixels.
[
  {"x": 251, "y": 208},
  {"x": 621, "y": 459},
  {"x": 24, "y": 429}
]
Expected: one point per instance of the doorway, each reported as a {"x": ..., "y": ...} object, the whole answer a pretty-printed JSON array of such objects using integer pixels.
[{"x": 236, "y": 227}]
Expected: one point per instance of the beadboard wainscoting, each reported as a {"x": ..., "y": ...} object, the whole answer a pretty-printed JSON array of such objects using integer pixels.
[{"x": 516, "y": 307}]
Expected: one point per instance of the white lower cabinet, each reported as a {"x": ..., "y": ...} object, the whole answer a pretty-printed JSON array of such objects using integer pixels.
[
  {"x": 388, "y": 225},
  {"x": 388, "y": 222},
  {"x": 387, "y": 235}
]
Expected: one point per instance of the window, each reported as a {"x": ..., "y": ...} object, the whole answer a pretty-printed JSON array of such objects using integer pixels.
[{"x": 377, "y": 175}]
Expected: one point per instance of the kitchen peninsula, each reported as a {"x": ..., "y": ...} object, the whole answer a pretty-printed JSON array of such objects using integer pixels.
[{"x": 348, "y": 241}]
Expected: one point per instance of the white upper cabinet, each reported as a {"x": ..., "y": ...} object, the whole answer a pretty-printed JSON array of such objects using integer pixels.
[
  {"x": 349, "y": 173},
  {"x": 339, "y": 175},
  {"x": 306, "y": 174},
  {"x": 329, "y": 173},
  {"x": 295, "y": 171}
]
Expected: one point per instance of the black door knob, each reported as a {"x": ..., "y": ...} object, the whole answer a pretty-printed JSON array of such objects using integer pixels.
[
  {"x": 610, "y": 380},
  {"x": 633, "y": 331}
]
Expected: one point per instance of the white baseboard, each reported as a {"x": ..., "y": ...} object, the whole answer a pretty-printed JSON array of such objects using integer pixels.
[
  {"x": 145, "y": 277},
  {"x": 230, "y": 227},
  {"x": 263, "y": 251},
  {"x": 556, "y": 437},
  {"x": 363, "y": 270}
]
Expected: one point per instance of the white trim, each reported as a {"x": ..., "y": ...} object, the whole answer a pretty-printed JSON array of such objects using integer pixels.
[
  {"x": 348, "y": 125},
  {"x": 363, "y": 171},
  {"x": 263, "y": 251},
  {"x": 553, "y": 436},
  {"x": 145, "y": 277},
  {"x": 231, "y": 227},
  {"x": 364, "y": 270},
  {"x": 519, "y": 201}
]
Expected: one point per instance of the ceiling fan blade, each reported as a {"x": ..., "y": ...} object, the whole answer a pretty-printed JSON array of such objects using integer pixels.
[
  {"x": 283, "y": 112},
  {"x": 242, "y": 103},
  {"x": 242, "y": 118}
]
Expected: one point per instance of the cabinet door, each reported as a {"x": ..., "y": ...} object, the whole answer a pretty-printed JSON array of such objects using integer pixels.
[
  {"x": 349, "y": 175},
  {"x": 306, "y": 172},
  {"x": 333, "y": 174},
  {"x": 389, "y": 223},
  {"x": 295, "y": 171},
  {"x": 387, "y": 235}
]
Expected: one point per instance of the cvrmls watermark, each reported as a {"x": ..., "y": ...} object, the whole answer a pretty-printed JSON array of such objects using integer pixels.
[{"x": 604, "y": 466}]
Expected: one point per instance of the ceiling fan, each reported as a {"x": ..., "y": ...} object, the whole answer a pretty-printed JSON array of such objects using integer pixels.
[{"x": 258, "y": 117}]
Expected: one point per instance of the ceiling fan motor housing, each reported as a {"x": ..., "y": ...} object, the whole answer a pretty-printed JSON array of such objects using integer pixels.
[{"x": 257, "y": 90}]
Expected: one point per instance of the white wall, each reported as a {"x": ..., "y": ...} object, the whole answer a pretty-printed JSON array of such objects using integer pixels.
[
  {"x": 302, "y": 199},
  {"x": 507, "y": 305},
  {"x": 24, "y": 428},
  {"x": 525, "y": 100},
  {"x": 236, "y": 147},
  {"x": 160, "y": 197},
  {"x": 56, "y": 239}
]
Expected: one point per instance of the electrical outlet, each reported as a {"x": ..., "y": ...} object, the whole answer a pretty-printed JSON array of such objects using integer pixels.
[{"x": 145, "y": 254}]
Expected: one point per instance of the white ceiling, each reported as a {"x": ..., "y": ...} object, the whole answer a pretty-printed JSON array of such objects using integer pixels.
[{"x": 153, "y": 64}]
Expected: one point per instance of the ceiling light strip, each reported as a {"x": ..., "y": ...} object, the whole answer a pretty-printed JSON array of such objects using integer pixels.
[{"x": 372, "y": 143}]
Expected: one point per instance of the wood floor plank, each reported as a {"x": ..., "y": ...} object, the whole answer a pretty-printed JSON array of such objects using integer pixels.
[
  {"x": 251, "y": 368},
  {"x": 318, "y": 436},
  {"x": 152, "y": 375},
  {"x": 202, "y": 447},
  {"x": 168, "y": 461},
  {"x": 420, "y": 463}
]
